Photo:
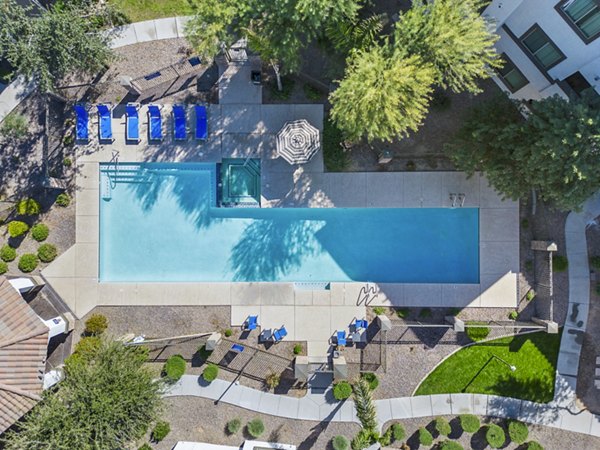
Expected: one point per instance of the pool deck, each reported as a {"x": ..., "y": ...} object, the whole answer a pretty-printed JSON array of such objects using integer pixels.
[{"x": 248, "y": 130}]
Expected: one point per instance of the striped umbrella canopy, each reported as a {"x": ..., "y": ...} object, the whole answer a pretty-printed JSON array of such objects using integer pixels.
[{"x": 298, "y": 141}]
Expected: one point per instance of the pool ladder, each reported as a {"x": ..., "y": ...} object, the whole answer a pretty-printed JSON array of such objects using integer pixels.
[
  {"x": 122, "y": 173},
  {"x": 457, "y": 200}
]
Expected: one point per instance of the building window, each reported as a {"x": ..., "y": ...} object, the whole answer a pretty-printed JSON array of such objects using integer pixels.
[
  {"x": 543, "y": 50},
  {"x": 583, "y": 16},
  {"x": 512, "y": 77}
]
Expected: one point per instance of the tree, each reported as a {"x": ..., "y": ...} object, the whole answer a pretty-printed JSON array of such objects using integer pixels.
[
  {"x": 365, "y": 408},
  {"x": 554, "y": 152},
  {"x": 383, "y": 95},
  {"x": 107, "y": 400},
  {"x": 354, "y": 33},
  {"x": 52, "y": 44},
  {"x": 452, "y": 36}
]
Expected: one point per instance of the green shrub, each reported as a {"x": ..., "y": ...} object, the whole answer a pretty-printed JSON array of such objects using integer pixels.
[
  {"x": 273, "y": 379},
  {"x": 450, "y": 445},
  {"x": 477, "y": 333},
  {"x": 530, "y": 295},
  {"x": 425, "y": 437},
  {"x": 210, "y": 373},
  {"x": 311, "y": 92},
  {"x": 297, "y": 349},
  {"x": 386, "y": 438},
  {"x": 174, "y": 368},
  {"x": 533, "y": 445},
  {"x": 595, "y": 262},
  {"x": 63, "y": 200},
  {"x": 518, "y": 431},
  {"x": 342, "y": 390},
  {"x": 363, "y": 439},
  {"x": 402, "y": 313},
  {"x": 425, "y": 312},
  {"x": 68, "y": 162},
  {"x": 47, "y": 253},
  {"x": 513, "y": 315},
  {"x": 442, "y": 426},
  {"x": 379, "y": 310},
  {"x": 160, "y": 431},
  {"x": 85, "y": 350},
  {"x": 560, "y": 263},
  {"x": 3, "y": 267},
  {"x": 469, "y": 423},
  {"x": 340, "y": 443},
  {"x": 14, "y": 126},
  {"x": 96, "y": 324},
  {"x": 7, "y": 253},
  {"x": 17, "y": 228},
  {"x": 40, "y": 232},
  {"x": 335, "y": 156},
  {"x": 228, "y": 332},
  {"x": 255, "y": 428},
  {"x": 495, "y": 436},
  {"x": 28, "y": 207},
  {"x": 371, "y": 379},
  {"x": 233, "y": 426},
  {"x": 203, "y": 353},
  {"x": 529, "y": 266},
  {"x": 398, "y": 432},
  {"x": 28, "y": 262},
  {"x": 145, "y": 447}
]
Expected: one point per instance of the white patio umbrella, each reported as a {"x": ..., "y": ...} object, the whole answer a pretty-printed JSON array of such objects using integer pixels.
[{"x": 298, "y": 141}]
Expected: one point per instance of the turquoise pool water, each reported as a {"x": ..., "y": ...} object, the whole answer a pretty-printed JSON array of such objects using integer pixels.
[{"x": 158, "y": 223}]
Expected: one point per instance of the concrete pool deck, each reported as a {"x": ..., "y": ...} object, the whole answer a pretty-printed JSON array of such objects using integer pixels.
[{"x": 248, "y": 130}]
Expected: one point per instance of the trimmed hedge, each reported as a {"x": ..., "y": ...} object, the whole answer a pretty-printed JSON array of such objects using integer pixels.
[
  {"x": 40, "y": 232},
  {"x": 174, "y": 368},
  {"x": 17, "y": 228},
  {"x": 425, "y": 437},
  {"x": 160, "y": 431},
  {"x": 340, "y": 443},
  {"x": 233, "y": 426},
  {"x": 210, "y": 373},
  {"x": 47, "y": 253},
  {"x": 342, "y": 390},
  {"x": 371, "y": 379},
  {"x": 28, "y": 262},
  {"x": 63, "y": 200},
  {"x": 28, "y": 207},
  {"x": 495, "y": 436},
  {"x": 442, "y": 426},
  {"x": 451, "y": 445},
  {"x": 469, "y": 423},
  {"x": 517, "y": 431},
  {"x": 96, "y": 324},
  {"x": 477, "y": 333},
  {"x": 255, "y": 428},
  {"x": 3, "y": 267},
  {"x": 7, "y": 253}
]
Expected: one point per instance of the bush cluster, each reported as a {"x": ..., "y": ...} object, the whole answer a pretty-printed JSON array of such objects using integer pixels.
[
  {"x": 7, "y": 253},
  {"x": 47, "y": 253},
  {"x": 495, "y": 436},
  {"x": 63, "y": 200},
  {"x": 174, "y": 368},
  {"x": 28, "y": 262},
  {"x": 398, "y": 432},
  {"x": 425, "y": 437},
  {"x": 28, "y": 207},
  {"x": 371, "y": 379},
  {"x": 517, "y": 431},
  {"x": 233, "y": 426},
  {"x": 160, "y": 431},
  {"x": 477, "y": 333},
  {"x": 342, "y": 390},
  {"x": 17, "y": 228},
  {"x": 340, "y": 443},
  {"x": 210, "y": 373},
  {"x": 469, "y": 423},
  {"x": 96, "y": 324},
  {"x": 442, "y": 426},
  {"x": 3, "y": 267},
  {"x": 255, "y": 428},
  {"x": 40, "y": 232}
]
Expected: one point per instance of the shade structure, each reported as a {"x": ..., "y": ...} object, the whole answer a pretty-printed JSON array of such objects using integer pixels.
[{"x": 298, "y": 141}]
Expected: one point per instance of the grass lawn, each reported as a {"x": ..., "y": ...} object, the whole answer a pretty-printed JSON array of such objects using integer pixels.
[
  {"x": 476, "y": 369},
  {"x": 139, "y": 10}
]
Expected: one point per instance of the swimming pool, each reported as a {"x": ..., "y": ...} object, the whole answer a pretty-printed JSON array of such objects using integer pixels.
[{"x": 159, "y": 223}]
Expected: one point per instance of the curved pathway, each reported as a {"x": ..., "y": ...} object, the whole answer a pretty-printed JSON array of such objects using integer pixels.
[{"x": 561, "y": 413}]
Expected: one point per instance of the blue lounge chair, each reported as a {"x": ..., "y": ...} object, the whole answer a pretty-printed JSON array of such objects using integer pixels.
[
  {"x": 154, "y": 123},
  {"x": 251, "y": 323},
  {"x": 81, "y": 123},
  {"x": 237, "y": 348},
  {"x": 361, "y": 323},
  {"x": 179, "y": 123},
  {"x": 201, "y": 123},
  {"x": 105, "y": 122},
  {"x": 132, "y": 122},
  {"x": 341, "y": 338},
  {"x": 279, "y": 334}
]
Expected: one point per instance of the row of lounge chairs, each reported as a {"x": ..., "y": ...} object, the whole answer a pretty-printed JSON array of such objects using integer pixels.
[{"x": 132, "y": 122}]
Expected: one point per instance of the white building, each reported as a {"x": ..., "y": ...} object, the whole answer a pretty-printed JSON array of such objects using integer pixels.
[{"x": 549, "y": 46}]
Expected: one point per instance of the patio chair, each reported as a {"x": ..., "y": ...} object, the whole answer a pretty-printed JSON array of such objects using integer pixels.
[
  {"x": 237, "y": 348},
  {"x": 105, "y": 122},
  {"x": 132, "y": 122},
  {"x": 179, "y": 123},
  {"x": 341, "y": 338},
  {"x": 251, "y": 323},
  {"x": 155, "y": 132},
  {"x": 201, "y": 123},
  {"x": 279, "y": 334},
  {"x": 81, "y": 123},
  {"x": 361, "y": 323}
]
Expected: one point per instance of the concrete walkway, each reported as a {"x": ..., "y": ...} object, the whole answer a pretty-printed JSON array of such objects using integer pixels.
[{"x": 322, "y": 407}]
